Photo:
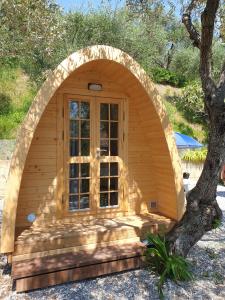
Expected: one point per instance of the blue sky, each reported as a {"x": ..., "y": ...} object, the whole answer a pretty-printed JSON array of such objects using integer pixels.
[{"x": 85, "y": 4}]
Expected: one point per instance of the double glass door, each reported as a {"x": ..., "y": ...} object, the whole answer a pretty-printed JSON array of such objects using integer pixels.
[{"x": 93, "y": 152}]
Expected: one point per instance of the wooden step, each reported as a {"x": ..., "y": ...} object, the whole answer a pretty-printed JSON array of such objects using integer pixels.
[{"x": 50, "y": 270}]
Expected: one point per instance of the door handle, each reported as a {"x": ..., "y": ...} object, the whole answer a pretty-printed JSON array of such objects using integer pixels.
[{"x": 100, "y": 152}]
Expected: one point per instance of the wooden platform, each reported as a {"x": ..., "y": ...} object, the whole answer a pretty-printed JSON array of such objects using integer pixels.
[{"x": 67, "y": 252}]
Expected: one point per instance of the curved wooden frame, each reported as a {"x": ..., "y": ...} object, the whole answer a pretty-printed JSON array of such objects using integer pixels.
[{"x": 48, "y": 89}]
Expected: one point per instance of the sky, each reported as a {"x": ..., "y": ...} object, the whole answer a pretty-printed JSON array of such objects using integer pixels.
[{"x": 83, "y": 5}]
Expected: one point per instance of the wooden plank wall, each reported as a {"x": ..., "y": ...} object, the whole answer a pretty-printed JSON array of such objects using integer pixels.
[{"x": 149, "y": 166}]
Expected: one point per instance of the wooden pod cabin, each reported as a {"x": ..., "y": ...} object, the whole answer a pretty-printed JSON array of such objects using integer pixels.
[{"x": 95, "y": 167}]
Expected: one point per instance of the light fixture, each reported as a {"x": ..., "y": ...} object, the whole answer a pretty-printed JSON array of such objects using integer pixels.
[{"x": 95, "y": 86}]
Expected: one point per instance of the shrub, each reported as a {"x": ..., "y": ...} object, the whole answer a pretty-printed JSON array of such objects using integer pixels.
[
  {"x": 165, "y": 264},
  {"x": 164, "y": 76},
  {"x": 5, "y": 104},
  {"x": 196, "y": 156}
]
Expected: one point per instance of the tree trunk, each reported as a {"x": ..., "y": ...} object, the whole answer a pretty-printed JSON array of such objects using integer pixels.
[{"x": 202, "y": 210}]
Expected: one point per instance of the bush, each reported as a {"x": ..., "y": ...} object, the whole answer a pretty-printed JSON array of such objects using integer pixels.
[
  {"x": 164, "y": 76},
  {"x": 5, "y": 104},
  {"x": 165, "y": 264},
  {"x": 191, "y": 103},
  {"x": 196, "y": 156}
]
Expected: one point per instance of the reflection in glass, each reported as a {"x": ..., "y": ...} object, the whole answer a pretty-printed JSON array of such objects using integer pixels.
[
  {"x": 114, "y": 148},
  {"x": 73, "y": 202},
  {"x": 74, "y": 128},
  {"x": 113, "y": 130},
  {"x": 74, "y": 148},
  {"x": 74, "y": 186},
  {"x": 74, "y": 170},
  {"x": 85, "y": 129},
  {"x": 85, "y": 170},
  {"x": 103, "y": 199},
  {"x": 84, "y": 188},
  {"x": 104, "y": 111},
  {"x": 114, "y": 198},
  {"x": 104, "y": 184},
  {"x": 114, "y": 169},
  {"x": 84, "y": 110},
  {"x": 114, "y": 112},
  {"x": 85, "y": 147},
  {"x": 113, "y": 184},
  {"x": 104, "y": 147},
  {"x": 104, "y": 169},
  {"x": 74, "y": 110},
  {"x": 104, "y": 130},
  {"x": 84, "y": 201}
]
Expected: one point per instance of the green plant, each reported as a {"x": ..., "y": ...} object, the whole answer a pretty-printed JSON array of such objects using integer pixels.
[
  {"x": 196, "y": 156},
  {"x": 211, "y": 253},
  {"x": 216, "y": 223},
  {"x": 164, "y": 263},
  {"x": 5, "y": 104},
  {"x": 164, "y": 76}
]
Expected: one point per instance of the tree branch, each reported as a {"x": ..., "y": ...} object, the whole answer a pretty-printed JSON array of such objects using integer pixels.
[
  {"x": 187, "y": 21},
  {"x": 221, "y": 84}
]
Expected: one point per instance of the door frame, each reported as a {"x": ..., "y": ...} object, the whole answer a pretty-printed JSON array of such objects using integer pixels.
[{"x": 62, "y": 136}]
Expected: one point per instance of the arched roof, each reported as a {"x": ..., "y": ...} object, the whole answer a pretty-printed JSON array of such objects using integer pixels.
[{"x": 48, "y": 89}]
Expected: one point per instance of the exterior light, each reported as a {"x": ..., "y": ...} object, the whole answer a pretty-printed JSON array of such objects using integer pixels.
[{"x": 95, "y": 86}]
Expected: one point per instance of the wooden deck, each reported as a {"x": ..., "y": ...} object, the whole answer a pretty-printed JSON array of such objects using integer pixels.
[{"x": 67, "y": 252}]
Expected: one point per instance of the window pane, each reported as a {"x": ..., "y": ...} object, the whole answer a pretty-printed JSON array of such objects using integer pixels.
[
  {"x": 113, "y": 169},
  {"x": 104, "y": 184},
  {"x": 85, "y": 129},
  {"x": 114, "y": 198},
  {"x": 84, "y": 188},
  {"x": 74, "y": 186},
  {"x": 74, "y": 110},
  {"x": 104, "y": 169},
  {"x": 74, "y": 170},
  {"x": 113, "y": 184},
  {"x": 114, "y": 112},
  {"x": 113, "y": 130},
  {"x": 104, "y": 130},
  {"x": 74, "y": 129},
  {"x": 73, "y": 202},
  {"x": 74, "y": 147},
  {"x": 84, "y": 110},
  {"x": 114, "y": 148},
  {"x": 104, "y": 147},
  {"x": 85, "y": 170},
  {"x": 85, "y": 147},
  {"x": 84, "y": 201},
  {"x": 103, "y": 199},
  {"x": 104, "y": 111}
]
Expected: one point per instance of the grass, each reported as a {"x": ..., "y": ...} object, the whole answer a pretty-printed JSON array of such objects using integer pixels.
[{"x": 16, "y": 95}]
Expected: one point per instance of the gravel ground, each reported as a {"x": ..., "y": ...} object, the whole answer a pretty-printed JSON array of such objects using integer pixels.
[{"x": 208, "y": 263}]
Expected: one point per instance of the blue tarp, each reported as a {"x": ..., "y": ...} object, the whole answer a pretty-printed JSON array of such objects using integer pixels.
[{"x": 185, "y": 141}]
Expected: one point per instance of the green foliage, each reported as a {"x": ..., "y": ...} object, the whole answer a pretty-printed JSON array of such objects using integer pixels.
[
  {"x": 167, "y": 265},
  {"x": 217, "y": 223},
  {"x": 196, "y": 156},
  {"x": 190, "y": 102},
  {"x": 164, "y": 76},
  {"x": 5, "y": 104}
]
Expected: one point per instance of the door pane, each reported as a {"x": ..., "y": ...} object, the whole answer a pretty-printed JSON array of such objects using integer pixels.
[
  {"x": 85, "y": 129},
  {"x": 84, "y": 186},
  {"x": 74, "y": 109},
  {"x": 85, "y": 147},
  {"x": 114, "y": 169},
  {"x": 74, "y": 202},
  {"x": 104, "y": 147},
  {"x": 85, "y": 110},
  {"x": 103, "y": 199},
  {"x": 85, "y": 170},
  {"x": 114, "y": 130},
  {"x": 104, "y": 184},
  {"x": 104, "y": 111},
  {"x": 104, "y": 130},
  {"x": 74, "y": 170},
  {"x": 104, "y": 169},
  {"x": 114, "y": 112},
  {"x": 113, "y": 148},
  {"x": 114, "y": 198},
  {"x": 113, "y": 184},
  {"x": 84, "y": 201},
  {"x": 74, "y": 129},
  {"x": 74, "y": 186},
  {"x": 74, "y": 147}
]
